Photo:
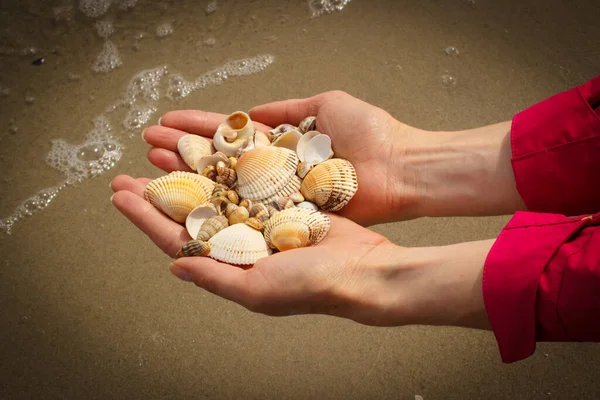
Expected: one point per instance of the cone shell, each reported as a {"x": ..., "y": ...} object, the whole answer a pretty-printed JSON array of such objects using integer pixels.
[
  {"x": 296, "y": 227},
  {"x": 331, "y": 184},
  {"x": 192, "y": 148},
  {"x": 238, "y": 244},
  {"x": 267, "y": 173},
  {"x": 178, "y": 193},
  {"x": 197, "y": 217}
]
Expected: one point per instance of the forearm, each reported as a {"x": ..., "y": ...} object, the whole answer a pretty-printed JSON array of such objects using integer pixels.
[{"x": 463, "y": 173}]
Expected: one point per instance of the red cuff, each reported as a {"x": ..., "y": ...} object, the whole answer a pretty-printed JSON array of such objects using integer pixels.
[
  {"x": 556, "y": 152},
  {"x": 512, "y": 273}
]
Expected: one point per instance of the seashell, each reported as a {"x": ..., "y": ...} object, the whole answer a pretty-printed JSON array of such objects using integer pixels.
[
  {"x": 220, "y": 203},
  {"x": 331, "y": 184},
  {"x": 259, "y": 211},
  {"x": 282, "y": 203},
  {"x": 194, "y": 248},
  {"x": 295, "y": 227},
  {"x": 304, "y": 168},
  {"x": 212, "y": 160},
  {"x": 261, "y": 139},
  {"x": 238, "y": 244},
  {"x": 314, "y": 147},
  {"x": 178, "y": 193},
  {"x": 211, "y": 226},
  {"x": 308, "y": 124},
  {"x": 227, "y": 175},
  {"x": 210, "y": 172},
  {"x": 267, "y": 173},
  {"x": 273, "y": 134},
  {"x": 234, "y": 133},
  {"x": 255, "y": 223},
  {"x": 238, "y": 216},
  {"x": 192, "y": 148},
  {"x": 296, "y": 197},
  {"x": 288, "y": 140},
  {"x": 272, "y": 211},
  {"x": 307, "y": 205},
  {"x": 197, "y": 217},
  {"x": 232, "y": 162},
  {"x": 246, "y": 203},
  {"x": 233, "y": 196},
  {"x": 230, "y": 209}
]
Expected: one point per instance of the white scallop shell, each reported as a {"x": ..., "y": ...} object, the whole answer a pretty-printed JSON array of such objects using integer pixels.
[
  {"x": 267, "y": 173},
  {"x": 314, "y": 147},
  {"x": 178, "y": 193},
  {"x": 192, "y": 148},
  {"x": 236, "y": 132},
  {"x": 197, "y": 216},
  {"x": 238, "y": 244}
]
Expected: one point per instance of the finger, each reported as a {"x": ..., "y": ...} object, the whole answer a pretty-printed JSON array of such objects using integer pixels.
[
  {"x": 125, "y": 182},
  {"x": 288, "y": 111},
  {"x": 224, "y": 280},
  {"x": 161, "y": 136},
  {"x": 199, "y": 122},
  {"x": 167, "y": 160},
  {"x": 167, "y": 234}
]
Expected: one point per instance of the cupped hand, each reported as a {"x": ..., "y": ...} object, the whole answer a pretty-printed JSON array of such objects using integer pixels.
[
  {"x": 350, "y": 274},
  {"x": 367, "y": 136}
]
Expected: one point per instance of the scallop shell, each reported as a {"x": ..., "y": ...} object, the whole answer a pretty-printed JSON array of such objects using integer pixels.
[
  {"x": 211, "y": 226},
  {"x": 296, "y": 227},
  {"x": 331, "y": 184},
  {"x": 304, "y": 168},
  {"x": 288, "y": 140},
  {"x": 192, "y": 148},
  {"x": 197, "y": 217},
  {"x": 178, "y": 193},
  {"x": 238, "y": 244},
  {"x": 307, "y": 124},
  {"x": 267, "y": 173},
  {"x": 234, "y": 133},
  {"x": 314, "y": 147}
]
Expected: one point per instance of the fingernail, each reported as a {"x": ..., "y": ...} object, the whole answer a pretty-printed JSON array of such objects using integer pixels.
[
  {"x": 159, "y": 119},
  {"x": 181, "y": 273},
  {"x": 110, "y": 185},
  {"x": 111, "y": 197},
  {"x": 143, "y": 133}
]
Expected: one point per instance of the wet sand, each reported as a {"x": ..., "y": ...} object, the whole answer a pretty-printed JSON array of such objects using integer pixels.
[{"x": 89, "y": 309}]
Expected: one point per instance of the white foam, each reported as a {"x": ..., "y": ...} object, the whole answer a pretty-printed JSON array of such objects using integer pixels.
[
  {"x": 108, "y": 59},
  {"x": 211, "y": 7},
  {"x": 127, "y": 4},
  {"x": 320, "y": 7},
  {"x": 94, "y": 8},
  {"x": 164, "y": 29},
  {"x": 104, "y": 28}
]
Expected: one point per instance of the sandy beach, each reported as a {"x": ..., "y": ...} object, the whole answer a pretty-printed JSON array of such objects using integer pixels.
[{"x": 89, "y": 308}]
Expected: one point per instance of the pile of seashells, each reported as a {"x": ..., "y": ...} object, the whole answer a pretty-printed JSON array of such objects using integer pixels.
[{"x": 254, "y": 192}]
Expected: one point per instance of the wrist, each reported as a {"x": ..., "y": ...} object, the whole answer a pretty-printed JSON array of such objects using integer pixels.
[{"x": 463, "y": 173}]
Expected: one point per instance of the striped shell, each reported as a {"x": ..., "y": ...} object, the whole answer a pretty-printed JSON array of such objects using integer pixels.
[
  {"x": 331, "y": 184},
  {"x": 178, "y": 193},
  {"x": 192, "y": 148},
  {"x": 238, "y": 244},
  {"x": 267, "y": 173},
  {"x": 197, "y": 217},
  {"x": 296, "y": 227}
]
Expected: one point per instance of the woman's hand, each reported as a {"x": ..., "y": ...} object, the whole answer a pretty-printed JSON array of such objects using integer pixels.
[
  {"x": 353, "y": 273},
  {"x": 365, "y": 135}
]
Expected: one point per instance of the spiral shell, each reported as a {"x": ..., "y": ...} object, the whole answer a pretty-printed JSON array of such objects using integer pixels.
[
  {"x": 211, "y": 226},
  {"x": 233, "y": 134},
  {"x": 293, "y": 228},
  {"x": 238, "y": 216},
  {"x": 225, "y": 174},
  {"x": 255, "y": 223},
  {"x": 194, "y": 248},
  {"x": 192, "y": 148},
  {"x": 197, "y": 217},
  {"x": 238, "y": 244},
  {"x": 308, "y": 124},
  {"x": 267, "y": 173},
  {"x": 331, "y": 184},
  {"x": 260, "y": 212},
  {"x": 178, "y": 193},
  {"x": 213, "y": 159}
]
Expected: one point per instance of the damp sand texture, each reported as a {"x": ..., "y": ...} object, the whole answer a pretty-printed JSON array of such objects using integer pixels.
[{"x": 89, "y": 308}]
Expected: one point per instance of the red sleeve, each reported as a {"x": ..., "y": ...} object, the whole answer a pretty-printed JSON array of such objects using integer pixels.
[{"x": 542, "y": 276}]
